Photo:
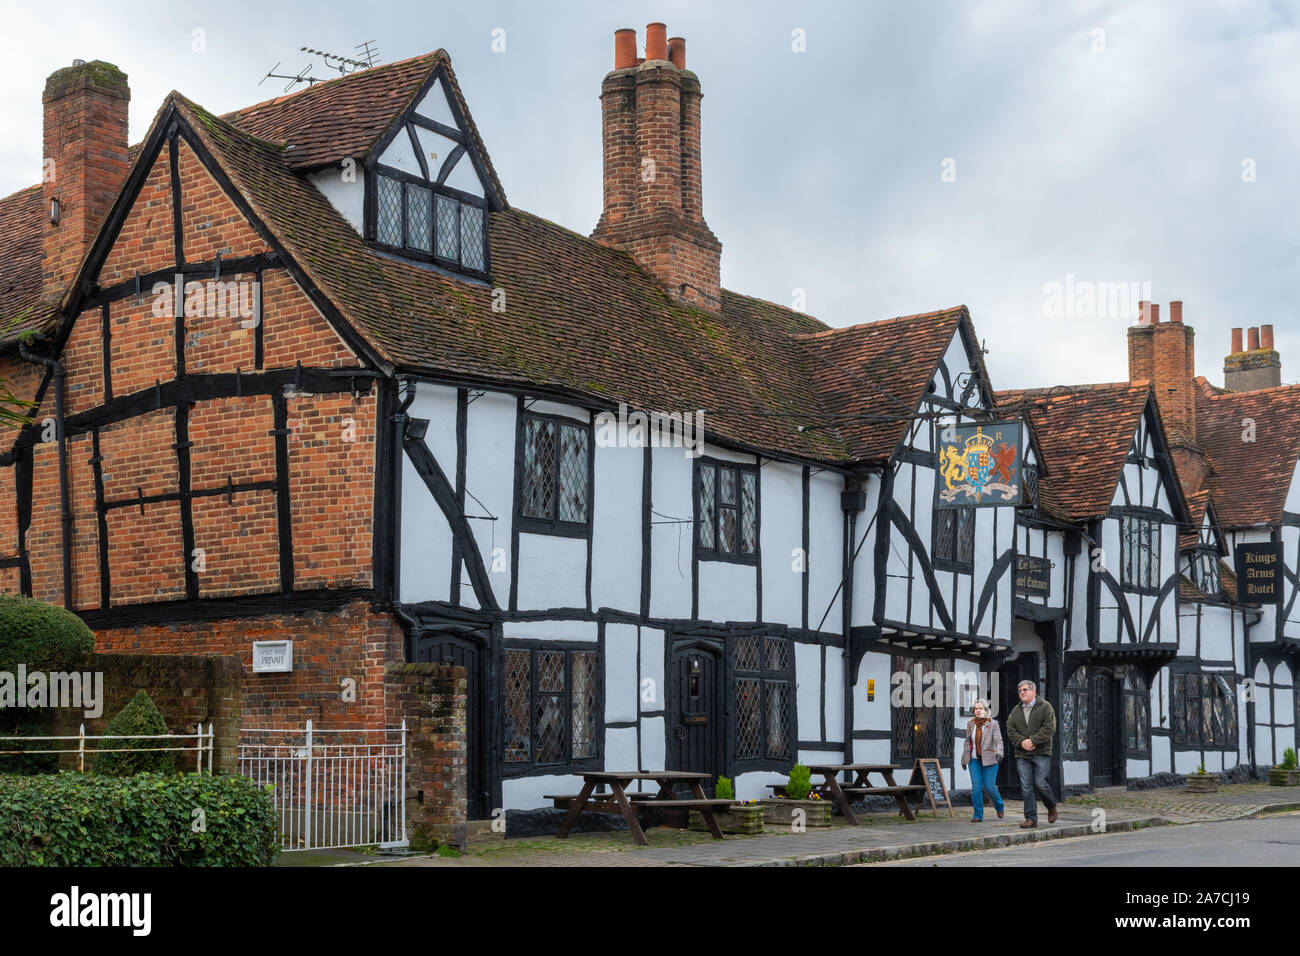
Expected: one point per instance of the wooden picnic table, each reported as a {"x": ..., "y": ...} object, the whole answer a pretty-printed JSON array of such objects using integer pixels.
[
  {"x": 860, "y": 786},
  {"x": 631, "y": 805}
]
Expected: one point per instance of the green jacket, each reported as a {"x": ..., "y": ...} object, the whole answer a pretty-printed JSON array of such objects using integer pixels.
[{"x": 1041, "y": 728}]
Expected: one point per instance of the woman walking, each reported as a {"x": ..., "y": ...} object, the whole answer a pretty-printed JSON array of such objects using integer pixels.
[{"x": 982, "y": 752}]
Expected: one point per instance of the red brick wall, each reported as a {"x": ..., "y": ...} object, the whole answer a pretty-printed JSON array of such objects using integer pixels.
[{"x": 328, "y": 647}]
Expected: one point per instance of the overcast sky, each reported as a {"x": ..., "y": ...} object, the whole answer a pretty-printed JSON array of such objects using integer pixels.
[{"x": 913, "y": 156}]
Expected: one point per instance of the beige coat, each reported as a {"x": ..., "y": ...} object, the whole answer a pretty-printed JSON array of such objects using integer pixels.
[{"x": 990, "y": 744}]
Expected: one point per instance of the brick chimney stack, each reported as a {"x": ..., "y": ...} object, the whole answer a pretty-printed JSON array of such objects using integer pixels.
[
  {"x": 1165, "y": 355},
  {"x": 85, "y": 159},
  {"x": 651, "y": 144},
  {"x": 1256, "y": 366}
]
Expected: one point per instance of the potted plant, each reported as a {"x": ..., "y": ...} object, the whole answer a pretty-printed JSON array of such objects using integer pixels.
[
  {"x": 1286, "y": 774},
  {"x": 1202, "y": 782},
  {"x": 795, "y": 796},
  {"x": 745, "y": 817}
]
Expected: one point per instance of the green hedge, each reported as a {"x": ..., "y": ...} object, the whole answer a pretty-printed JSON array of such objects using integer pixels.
[
  {"x": 42, "y": 636},
  {"x": 78, "y": 819}
]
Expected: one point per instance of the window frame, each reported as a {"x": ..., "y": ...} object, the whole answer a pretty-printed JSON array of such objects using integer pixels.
[
  {"x": 766, "y": 676},
  {"x": 697, "y": 484},
  {"x": 953, "y": 561},
  {"x": 1191, "y": 735},
  {"x": 1206, "y": 570},
  {"x": 531, "y": 767},
  {"x": 435, "y": 189},
  {"x": 553, "y": 525},
  {"x": 945, "y": 721},
  {"x": 1140, "y": 694},
  {"x": 1141, "y": 522},
  {"x": 1078, "y": 688}
]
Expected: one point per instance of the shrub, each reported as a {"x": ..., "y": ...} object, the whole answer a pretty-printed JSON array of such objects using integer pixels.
[
  {"x": 1288, "y": 759},
  {"x": 42, "y": 636},
  {"x": 800, "y": 784},
  {"x": 79, "y": 819},
  {"x": 723, "y": 790},
  {"x": 124, "y": 757}
]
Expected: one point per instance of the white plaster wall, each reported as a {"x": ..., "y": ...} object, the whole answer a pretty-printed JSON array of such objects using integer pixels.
[
  {"x": 825, "y": 567},
  {"x": 872, "y": 715},
  {"x": 347, "y": 197},
  {"x": 834, "y": 696},
  {"x": 654, "y": 742},
  {"x": 426, "y": 540},
  {"x": 489, "y": 477},
  {"x": 552, "y": 572},
  {"x": 464, "y": 177},
  {"x": 620, "y": 748},
  {"x": 652, "y": 668},
  {"x": 616, "y": 540},
  {"x": 780, "y": 536},
  {"x": 434, "y": 105},
  {"x": 670, "y": 533},
  {"x": 1074, "y": 771},
  {"x": 399, "y": 155},
  {"x": 728, "y": 591},
  {"x": 864, "y": 564},
  {"x": 551, "y": 630},
  {"x": 621, "y": 645},
  {"x": 808, "y": 677},
  {"x": 1216, "y": 633}
]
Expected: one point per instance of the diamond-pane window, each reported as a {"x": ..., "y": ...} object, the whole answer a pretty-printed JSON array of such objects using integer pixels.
[
  {"x": 966, "y": 535},
  {"x": 539, "y": 468},
  {"x": 517, "y": 688},
  {"x": 777, "y": 653},
  {"x": 448, "y": 227},
  {"x": 574, "y": 458},
  {"x": 776, "y": 695},
  {"x": 556, "y": 473},
  {"x": 749, "y": 718},
  {"x": 471, "y": 238},
  {"x": 388, "y": 211},
  {"x": 746, "y": 656},
  {"x": 708, "y": 476},
  {"x": 945, "y": 534},
  {"x": 726, "y": 509},
  {"x": 419, "y": 224},
  {"x": 552, "y": 712}
]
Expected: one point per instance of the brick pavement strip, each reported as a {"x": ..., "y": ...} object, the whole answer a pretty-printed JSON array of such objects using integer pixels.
[{"x": 885, "y": 837}]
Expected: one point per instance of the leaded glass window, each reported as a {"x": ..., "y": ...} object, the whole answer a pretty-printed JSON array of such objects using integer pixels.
[
  {"x": 1204, "y": 710},
  {"x": 555, "y": 472},
  {"x": 472, "y": 251},
  {"x": 1140, "y": 553},
  {"x": 954, "y": 538},
  {"x": 1075, "y": 704},
  {"x": 551, "y": 707},
  {"x": 388, "y": 210},
  {"x": 419, "y": 226},
  {"x": 1137, "y": 703},
  {"x": 421, "y": 219},
  {"x": 448, "y": 227},
  {"x": 921, "y": 723},
  {"x": 726, "y": 511},
  {"x": 764, "y": 714}
]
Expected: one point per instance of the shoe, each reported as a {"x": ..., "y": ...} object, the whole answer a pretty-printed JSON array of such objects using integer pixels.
[
  {"x": 976, "y": 820},
  {"x": 1029, "y": 824},
  {"x": 1002, "y": 813},
  {"x": 1051, "y": 815}
]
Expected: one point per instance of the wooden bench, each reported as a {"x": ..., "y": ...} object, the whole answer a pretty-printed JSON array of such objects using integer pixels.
[
  {"x": 606, "y": 803},
  {"x": 633, "y": 806}
]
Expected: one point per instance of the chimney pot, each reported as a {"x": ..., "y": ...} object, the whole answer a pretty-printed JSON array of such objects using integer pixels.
[
  {"x": 656, "y": 41},
  {"x": 1252, "y": 338},
  {"x": 1266, "y": 336},
  {"x": 624, "y": 48},
  {"x": 1144, "y": 315},
  {"x": 1155, "y": 313},
  {"x": 677, "y": 52},
  {"x": 1236, "y": 342},
  {"x": 1176, "y": 312}
]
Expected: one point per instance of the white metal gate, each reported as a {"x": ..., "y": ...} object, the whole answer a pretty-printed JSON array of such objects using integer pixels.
[{"x": 333, "y": 788}]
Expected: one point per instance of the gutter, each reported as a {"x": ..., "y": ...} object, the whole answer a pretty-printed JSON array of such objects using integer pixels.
[{"x": 65, "y": 508}]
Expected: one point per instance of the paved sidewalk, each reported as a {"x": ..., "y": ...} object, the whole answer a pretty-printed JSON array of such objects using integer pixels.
[{"x": 885, "y": 836}]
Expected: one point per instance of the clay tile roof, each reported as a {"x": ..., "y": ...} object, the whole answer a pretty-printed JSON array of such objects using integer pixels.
[
  {"x": 878, "y": 372},
  {"x": 1084, "y": 433},
  {"x": 21, "y": 219},
  {"x": 1249, "y": 480},
  {"x": 328, "y": 122},
  {"x": 1197, "y": 503}
]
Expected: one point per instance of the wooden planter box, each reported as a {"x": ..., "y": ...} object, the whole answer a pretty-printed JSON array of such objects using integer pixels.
[
  {"x": 1202, "y": 783},
  {"x": 780, "y": 812},
  {"x": 1280, "y": 777},
  {"x": 738, "y": 819}
]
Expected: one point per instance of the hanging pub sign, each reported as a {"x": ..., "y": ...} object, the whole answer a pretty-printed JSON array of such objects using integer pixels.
[
  {"x": 1033, "y": 576},
  {"x": 979, "y": 465},
  {"x": 1259, "y": 573}
]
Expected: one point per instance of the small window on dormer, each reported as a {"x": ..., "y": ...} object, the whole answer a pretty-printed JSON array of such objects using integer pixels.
[{"x": 425, "y": 222}]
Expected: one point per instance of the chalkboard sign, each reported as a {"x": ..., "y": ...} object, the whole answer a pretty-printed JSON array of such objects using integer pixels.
[
  {"x": 1259, "y": 573},
  {"x": 927, "y": 771}
]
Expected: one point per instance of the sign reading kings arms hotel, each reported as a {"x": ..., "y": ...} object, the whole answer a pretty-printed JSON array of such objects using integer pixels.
[
  {"x": 1259, "y": 573},
  {"x": 979, "y": 465}
]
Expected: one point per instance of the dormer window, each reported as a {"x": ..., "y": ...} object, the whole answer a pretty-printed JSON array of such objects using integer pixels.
[
  {"x": 424, "y": 221},
  {"x": 1206, "y": 570}
]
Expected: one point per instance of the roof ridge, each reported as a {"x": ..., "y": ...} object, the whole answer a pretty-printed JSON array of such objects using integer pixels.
[
  {"x": 370, "y": 71},
  {"x": 881, "y": 323}
]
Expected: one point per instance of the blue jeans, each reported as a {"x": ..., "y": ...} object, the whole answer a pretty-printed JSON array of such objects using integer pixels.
[
  {"x": 981, "y": 777},
  {"x": 1033, "y": 776}
]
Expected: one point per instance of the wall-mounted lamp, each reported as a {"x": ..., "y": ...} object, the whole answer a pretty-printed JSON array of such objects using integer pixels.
[{"x": 54, "y": 212}]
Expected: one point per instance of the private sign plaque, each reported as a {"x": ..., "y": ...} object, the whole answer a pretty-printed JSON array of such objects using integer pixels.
[
  {"x": 1259, "y": 573},
  {"x": 272, "y": 657}
]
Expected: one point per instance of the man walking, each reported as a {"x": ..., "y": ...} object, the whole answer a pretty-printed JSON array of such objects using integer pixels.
[{"x": 1030, "y": 728}]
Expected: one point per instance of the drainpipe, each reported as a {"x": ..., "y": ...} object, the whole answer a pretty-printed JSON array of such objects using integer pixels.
[{"x": 56, "y": 367}]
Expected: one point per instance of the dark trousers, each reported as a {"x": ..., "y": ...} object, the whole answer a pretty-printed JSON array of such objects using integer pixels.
[{"x": 1033, "y": 776}]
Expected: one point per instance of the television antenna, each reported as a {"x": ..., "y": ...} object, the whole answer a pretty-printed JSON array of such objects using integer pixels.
[{"x": 366, "y": 56}]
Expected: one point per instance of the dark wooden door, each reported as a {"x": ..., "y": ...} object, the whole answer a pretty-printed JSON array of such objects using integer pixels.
[
  {"x": 466, "y": 652},
  {"x": 696, "y": 729},
  {"x": 1024, "y": 667},
  {"x": 1104, "y": 729}
]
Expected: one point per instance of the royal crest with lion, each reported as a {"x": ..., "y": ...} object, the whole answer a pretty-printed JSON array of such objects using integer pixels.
[{"x": 979, "y": 464}]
